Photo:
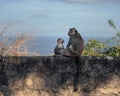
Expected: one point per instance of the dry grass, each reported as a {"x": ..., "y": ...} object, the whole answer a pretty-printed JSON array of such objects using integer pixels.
[
  {"x": 34, "y": 85},
  {"x": 16, "y": 45},
  {"x": 19, "y": 47}
]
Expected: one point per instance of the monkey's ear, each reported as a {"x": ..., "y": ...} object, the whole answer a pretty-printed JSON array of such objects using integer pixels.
[{"x": 75, "y": 31}]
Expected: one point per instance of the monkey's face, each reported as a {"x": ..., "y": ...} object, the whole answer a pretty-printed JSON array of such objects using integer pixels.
[
  {"x": 72, "y": 31},
  {"x": 60, "y": 40}
]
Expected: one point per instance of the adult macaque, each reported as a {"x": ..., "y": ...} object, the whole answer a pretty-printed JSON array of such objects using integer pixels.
[
  {"x": 75, "y": 45},
  {"x": 74, "y": 49}
]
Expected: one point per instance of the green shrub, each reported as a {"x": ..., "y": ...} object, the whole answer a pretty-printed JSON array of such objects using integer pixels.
[
  {"x": 112, "y": 51},
  {"x": 94, "y": 48}
]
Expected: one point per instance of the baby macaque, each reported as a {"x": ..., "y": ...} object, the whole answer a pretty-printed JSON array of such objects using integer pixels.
[{"x": 59, "y": 47}]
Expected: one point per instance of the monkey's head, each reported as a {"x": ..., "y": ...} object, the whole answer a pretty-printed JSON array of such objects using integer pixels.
[
  {"x": 60, "y": 40},
  {"x": 72, "y": 31}
]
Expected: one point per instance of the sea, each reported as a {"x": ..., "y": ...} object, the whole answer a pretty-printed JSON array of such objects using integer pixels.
[{"x": 45, "y": 45}]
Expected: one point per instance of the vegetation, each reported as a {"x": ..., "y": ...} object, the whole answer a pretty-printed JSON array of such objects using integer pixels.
[
  {"x": 15, "y": 45},
  {"x": 110, "y": 47},
  {"x": 115, "y": 40},
  {"x": 94, "y": 48},
  {"x": 18, "y": 46}
]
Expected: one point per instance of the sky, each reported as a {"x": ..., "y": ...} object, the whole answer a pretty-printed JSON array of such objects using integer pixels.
[{"x": 55, "y": 17}]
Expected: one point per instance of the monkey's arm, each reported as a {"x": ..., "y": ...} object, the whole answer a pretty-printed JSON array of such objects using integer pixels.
[
  {"x": 58, "y": 50},
  {"x": 69, "y": 43}
]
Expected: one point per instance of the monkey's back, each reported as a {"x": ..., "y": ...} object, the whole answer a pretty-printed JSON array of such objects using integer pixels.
[{"x": 77, "y": 43}]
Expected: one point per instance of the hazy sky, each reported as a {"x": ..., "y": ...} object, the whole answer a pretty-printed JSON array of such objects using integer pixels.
[{"x": 55, "y": 17}]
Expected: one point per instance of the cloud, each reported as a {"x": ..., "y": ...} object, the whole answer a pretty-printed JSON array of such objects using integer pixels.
[{"x": 88, "y": 1}]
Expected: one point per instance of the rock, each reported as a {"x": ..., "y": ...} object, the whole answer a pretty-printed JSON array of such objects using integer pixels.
[{"x": 58, "y": 76}]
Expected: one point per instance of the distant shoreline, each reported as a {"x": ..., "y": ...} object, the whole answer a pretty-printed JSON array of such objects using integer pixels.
[{"x": 45, "y": 45}]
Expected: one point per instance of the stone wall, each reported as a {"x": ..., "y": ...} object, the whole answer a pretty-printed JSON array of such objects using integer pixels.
[{"x": 59, "y": 76}]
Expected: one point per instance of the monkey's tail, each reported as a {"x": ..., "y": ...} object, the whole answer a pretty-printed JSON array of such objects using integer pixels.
[{"x": 76, "y": 75}]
